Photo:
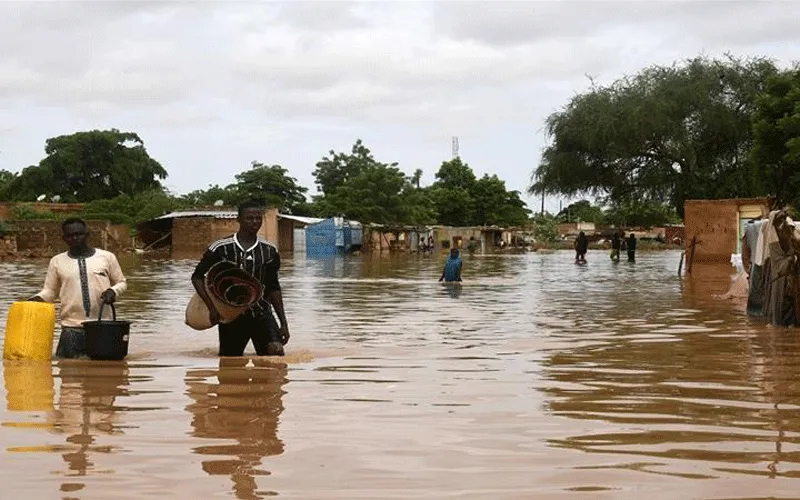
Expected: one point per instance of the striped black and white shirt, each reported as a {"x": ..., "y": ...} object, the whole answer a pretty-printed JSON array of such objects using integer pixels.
[{"x": 261, "y": 260}]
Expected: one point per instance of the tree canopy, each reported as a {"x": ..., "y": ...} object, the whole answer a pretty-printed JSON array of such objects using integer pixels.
[
  {"x": 664, "y": 135},
  {"x": 86, "y": 166},
  {"x": 112, "y": 174},
  {"x": 776, "y": 129}
]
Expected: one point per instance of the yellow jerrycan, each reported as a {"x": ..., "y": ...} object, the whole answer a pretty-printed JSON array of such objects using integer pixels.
[{"x": 29, "y": 331}]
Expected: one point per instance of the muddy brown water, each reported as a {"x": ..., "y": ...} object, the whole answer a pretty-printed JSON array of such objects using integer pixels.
[{"x": 537, "y": 378}]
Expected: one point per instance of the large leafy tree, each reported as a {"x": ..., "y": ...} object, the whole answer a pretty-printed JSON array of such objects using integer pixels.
[
  {"x": 271, "y": 185},
  {"x": 776, "y": 129},
  {"x": 93, "y": 165},
  {"x": 359, "y": 187},
  {"x": 461, "y": 199},
  {"x": 665, "y": 135},
  {"x": 6, "y": 178},
  {"x": 452, "y": 193},
  {"x": 334, "y": 170},
  {"x": 496, "y": 206},
  {"x": 582, "y": 211}
]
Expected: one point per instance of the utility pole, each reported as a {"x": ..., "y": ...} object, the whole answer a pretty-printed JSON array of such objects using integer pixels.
[
  {"x": 455, "y": 147},
  {"x": 542, "y": 202}
]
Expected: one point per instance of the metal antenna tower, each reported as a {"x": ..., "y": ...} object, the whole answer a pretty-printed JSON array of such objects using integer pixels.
[{"x": 455, "y": 147}]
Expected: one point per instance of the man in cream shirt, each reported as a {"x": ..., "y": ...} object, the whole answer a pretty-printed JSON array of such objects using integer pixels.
[{"x": 81, "y": 278}]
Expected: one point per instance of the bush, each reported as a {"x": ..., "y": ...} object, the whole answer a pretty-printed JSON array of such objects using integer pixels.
[{"x": 27, "y": 212}]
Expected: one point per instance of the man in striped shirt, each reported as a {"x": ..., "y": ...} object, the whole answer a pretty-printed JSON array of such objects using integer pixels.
[{"x": 261, "y": 259}]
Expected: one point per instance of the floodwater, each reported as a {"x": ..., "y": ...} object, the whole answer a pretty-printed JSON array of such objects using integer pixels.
[{"x": 537, "y": 378}]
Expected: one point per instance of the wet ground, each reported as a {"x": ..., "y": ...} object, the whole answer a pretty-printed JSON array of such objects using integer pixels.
[{"x": 537, "y": 378}]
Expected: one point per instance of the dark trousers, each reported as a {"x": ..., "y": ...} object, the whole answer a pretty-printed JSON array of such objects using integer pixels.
[
  {"x": 631, "y": 255},
  {"x": 262, "y": 330},
  {"x": 71, "y": 343}
]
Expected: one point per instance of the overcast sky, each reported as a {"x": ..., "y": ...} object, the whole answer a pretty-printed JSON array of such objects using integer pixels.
[{"x": 212, "y": 86}]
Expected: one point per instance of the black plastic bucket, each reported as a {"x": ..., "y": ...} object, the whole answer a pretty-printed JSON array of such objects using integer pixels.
[{"x": 107, "y": 339}]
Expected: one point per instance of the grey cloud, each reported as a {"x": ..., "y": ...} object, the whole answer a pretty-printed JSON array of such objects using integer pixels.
[{"x": 509, "y": 23}]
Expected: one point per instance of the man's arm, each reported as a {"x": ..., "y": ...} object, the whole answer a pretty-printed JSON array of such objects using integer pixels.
[
  {"x": 198, "y": 281},
  {"x": 51, "y": 284},
  {"x": 117, "y": 280},
  {"x": 273, "y": 292}
]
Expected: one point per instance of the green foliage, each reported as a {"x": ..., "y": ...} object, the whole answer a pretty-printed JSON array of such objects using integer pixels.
[
  {"x": 582, "y": 211},
  {"x": 133, "y": 209},
  {"x": 27, "y": 212},
  {"x": 271, "y": 185},
  {"x": 452, "y": 193},
  {"x": 776, "y": 130},
  {"x": 86, "y": 166},
  {"x": 463, "y": 200},
  {"x": 359, "y": 187},
  {"x": 5, "y": 228},
  {"x": 640, "y": 214},
  {"x": 545, "y": 228},
  {"x": 335, "y": 170},
  {"x": 6, "y": 179},
  {"x": 207, "y": 197},
  {"x": 664, "y": 135}
]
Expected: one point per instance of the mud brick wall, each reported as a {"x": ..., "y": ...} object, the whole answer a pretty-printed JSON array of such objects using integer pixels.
[
  {"x": 715, "y": 223},
  {"x": 192, "y": 235},
  {"x": 45, "y": 236},
  {"x": 6, "y": 208},
  {"x": 674, "y": 232},
  {"x": 8, "y": 244}
]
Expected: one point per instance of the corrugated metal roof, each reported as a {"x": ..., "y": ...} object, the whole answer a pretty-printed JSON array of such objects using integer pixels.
[
  {"x": 304, "y": 220},
  {"x": 201, "y": 213}
]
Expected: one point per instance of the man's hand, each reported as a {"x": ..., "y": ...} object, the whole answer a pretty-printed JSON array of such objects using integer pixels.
[
  {"x": 109, "y": 296},
  {"x": 285, "y": 334}
]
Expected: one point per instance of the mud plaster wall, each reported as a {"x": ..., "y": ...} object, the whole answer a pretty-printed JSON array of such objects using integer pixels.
[
  {"x": 45, "y": 236},
  {"x": 8, "y": 244},
  {"x": 6, "y": 208},
  {"x": 715, "y": 223},
  {"x": 192, "y": 235}
]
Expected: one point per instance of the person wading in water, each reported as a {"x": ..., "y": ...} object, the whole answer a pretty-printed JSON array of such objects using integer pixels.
[
  {"x": 261, "y": 259},
  {"x": 82, "y": 278}
]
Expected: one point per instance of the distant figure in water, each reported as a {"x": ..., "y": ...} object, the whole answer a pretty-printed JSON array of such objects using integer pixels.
[
  {"x": 616, "y": 245},
  {"x": 452, "y": 268},
  {"x": 581, "y": 247},
  {"x": 632, "y": 248}
]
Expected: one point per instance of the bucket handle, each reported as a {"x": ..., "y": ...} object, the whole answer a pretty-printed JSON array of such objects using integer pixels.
[{"x": 113, "y": 311}]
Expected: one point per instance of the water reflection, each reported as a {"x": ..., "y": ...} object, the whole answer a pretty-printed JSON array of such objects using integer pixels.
[
  {"x": 29, "y": 385},
  {"x": 241, "y": 407},
  {"x": 86, "y": 409}
]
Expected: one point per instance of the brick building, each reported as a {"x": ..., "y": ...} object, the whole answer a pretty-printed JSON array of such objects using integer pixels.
[{"x": 718, "y": 225}]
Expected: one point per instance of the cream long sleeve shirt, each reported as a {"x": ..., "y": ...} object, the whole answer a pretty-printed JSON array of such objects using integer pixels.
[{"x": 78, "y": 284}]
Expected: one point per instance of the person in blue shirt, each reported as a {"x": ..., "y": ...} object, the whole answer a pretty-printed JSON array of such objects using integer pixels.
[{"x": 452, "y": 268}]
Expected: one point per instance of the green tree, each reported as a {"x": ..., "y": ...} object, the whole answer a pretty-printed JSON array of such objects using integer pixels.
[
  {"x": 271, "y": 185},
  {"x": 452, "y": 193},
  {"x": 582, "y": 211},
  {"x": 374, "y": 195},
  {"x": 545, "y": 228},
  {"x": 336, "y": 169},
  {"x": 134, "y": 209},
  {"x": 86, "y": 166},
  {"x": 776, "y": 129},
  {"x": 6, "y": 179},
  {"x": 211, "y": 195},
  {"x": 664, "y": 135},
  {"x": 640, "y": 214},
  {"x": 496, "y": 206}
]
